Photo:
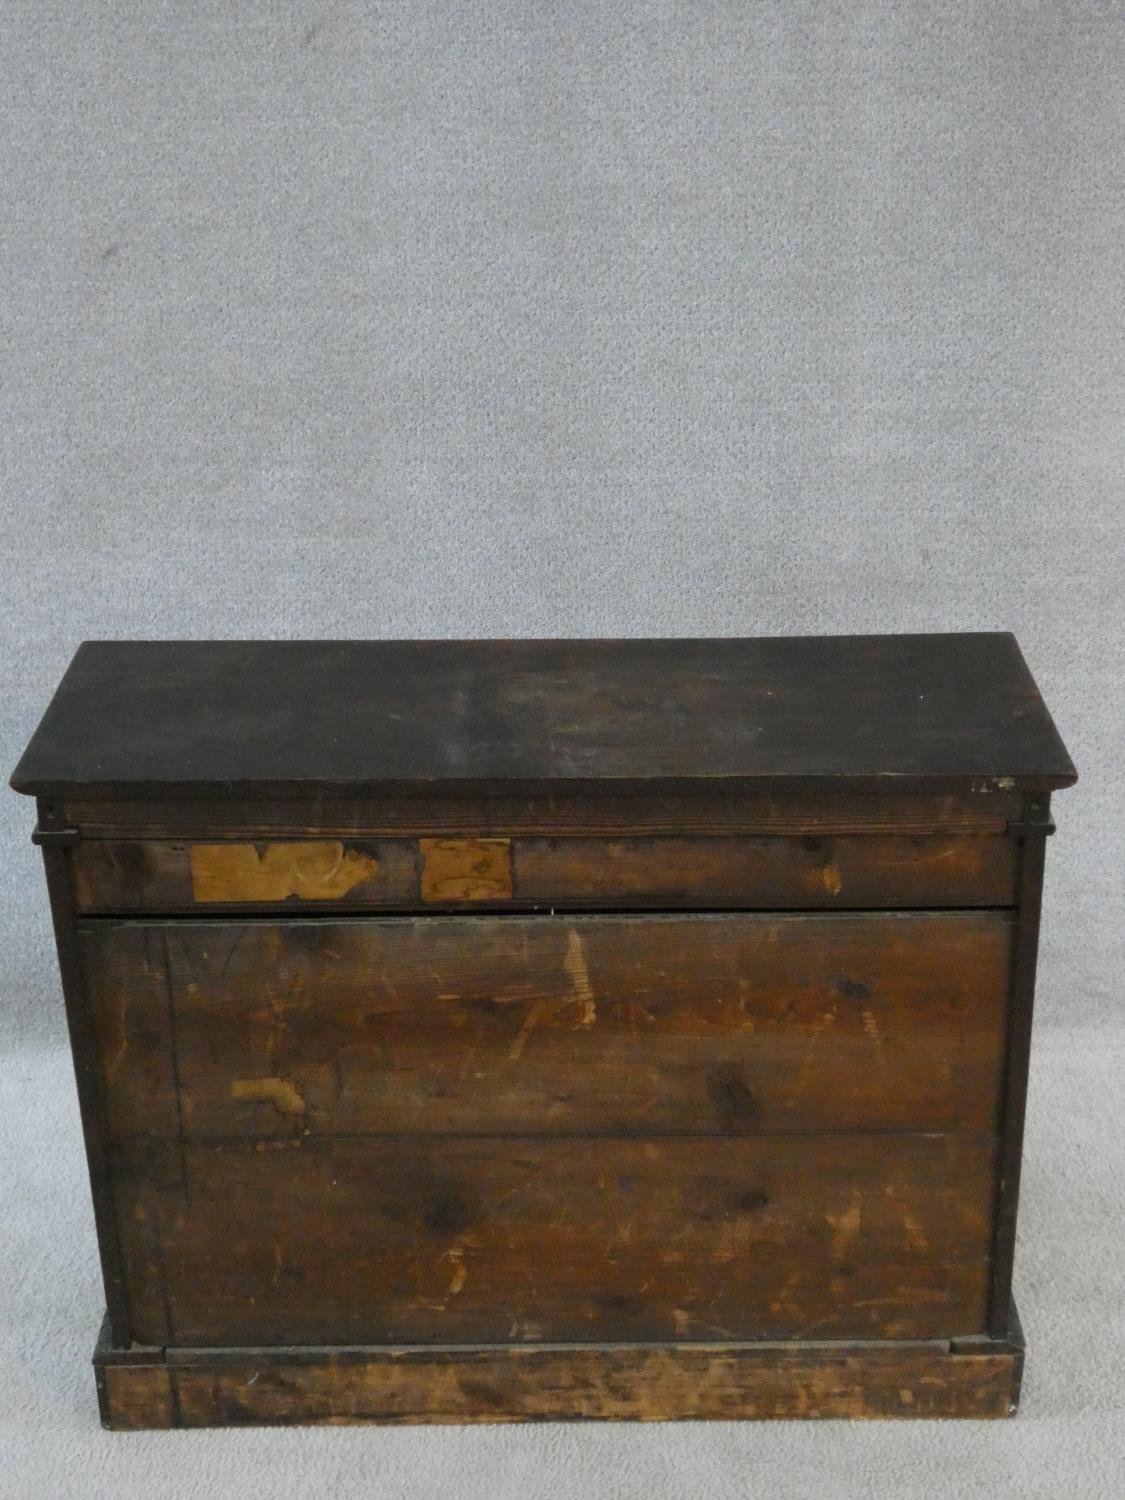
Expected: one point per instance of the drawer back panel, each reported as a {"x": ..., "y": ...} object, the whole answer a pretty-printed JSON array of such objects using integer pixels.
[{"x": 816, "y": 870}]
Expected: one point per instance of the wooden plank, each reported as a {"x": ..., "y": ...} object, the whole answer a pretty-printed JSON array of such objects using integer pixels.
[
  {"x": 135, "y": 1386},
  {"x": 1017, "y": 1058},
  {"x": 452, "y": 1239},
  {"x": 970, "y": 807},
  {"x": 592, "y": 1382},
  {"x": 270, "y": 717},
  {"x": 141, "y": 1387},
  {"x": 728, "y": 1023},
  {"x": 133, "y": 1397},
  {"x": 169, "y": 876},
  {"x": 89, "y": 1080},
  {"x": 848, "y": 870}
]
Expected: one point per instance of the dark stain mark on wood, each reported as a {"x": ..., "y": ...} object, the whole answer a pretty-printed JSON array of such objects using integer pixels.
[
  {"x": 449, "y": 1211},
  {"x": 751, "y": 1201},
  {"x": 486, "y": 1397},
  {"x": 853, "y": 989},
  {"x": 736, "y": 1103}
]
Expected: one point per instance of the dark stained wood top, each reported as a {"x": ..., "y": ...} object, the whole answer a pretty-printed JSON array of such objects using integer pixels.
[{"x": 265, "y": 718}]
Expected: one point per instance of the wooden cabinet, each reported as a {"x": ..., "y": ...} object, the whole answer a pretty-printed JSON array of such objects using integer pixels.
[{"x": 471, "y": 1031}]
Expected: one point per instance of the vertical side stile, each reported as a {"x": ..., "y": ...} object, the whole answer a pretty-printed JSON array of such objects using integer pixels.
[
  {"x": 1032, "y": 833},
  {"x": 55, "y": 842}
]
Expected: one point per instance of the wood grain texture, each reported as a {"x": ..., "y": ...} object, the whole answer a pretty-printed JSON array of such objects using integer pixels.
[
  {"x": 466, "y": 869},
  {"x": 669, "y": 1382},
  {"x": 844, "y": 871},
  {"x": 175, "y": 875},
  {"x": 274, "y": 716},
  {"x": 452, "y": 1239},
  {"x": 133, "y": 1397},
  {"x": 607, "y": 811},
  {"x": 513, "y": 1030},
  {"x": 88, "y": 1077},
  {"x": 724, "y": 1024},
  {"x": 847, "y": 870},
  {"x": 1025, "y": 942},
  {"x": 311, "y": 870}
]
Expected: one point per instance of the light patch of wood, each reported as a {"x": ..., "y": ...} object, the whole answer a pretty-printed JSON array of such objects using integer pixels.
[
  {"x": 831, "y": 878},
  {"x": 282, "y": 1093},
  {"x": 845, "y": 1226},
  {"x": 466, "y": 869},
  {"x": 785, "y": 1302},
  {"x": 915, "y": 1234},
  {"x": 535, "y": 1014},
  {"x": 460, "y": 1272},
  {"x": 312, "y": 870},
  {"x": 581, "y": 994},
  {"x": 575, "y": 966},
  {"x": 874, "y": 1035}
]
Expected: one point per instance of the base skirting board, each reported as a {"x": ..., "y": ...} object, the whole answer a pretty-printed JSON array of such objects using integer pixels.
[{"x": 155, "y": 1388}]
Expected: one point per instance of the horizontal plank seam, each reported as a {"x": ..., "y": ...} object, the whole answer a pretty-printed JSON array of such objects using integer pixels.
[
  {"x": 184, "y": 1353},
  {"x": 159, "y": 833},
  {"x": 284, "y": 913},
  {"x": 224, "y": 912},
  {"x": 312, "y": 1138}
]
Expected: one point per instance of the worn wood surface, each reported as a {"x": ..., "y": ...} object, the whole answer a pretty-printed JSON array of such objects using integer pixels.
[
  {"x": 849, "y": 870},
  {"x": 1017, "y": 1057},
  {"x": 457, "y": 869},
  {"x": 507, "y": 1166},
  {"x": 524, "y": 1239},
  {"x": 201, "y": 1387},
  {"x": 588, "y": 1382},
  {"x": 134, "y": 1396},
  {"x": 727, "y": 1023},
  {"x": 601, "y": 811},
  {"x": 278, "y": 716},
  {"x": 89, "y": 1077},
  {"x": 248, "y": 874}
]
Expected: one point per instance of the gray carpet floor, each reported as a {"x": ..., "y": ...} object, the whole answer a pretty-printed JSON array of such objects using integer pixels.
[{"x": 413, "y": 319}]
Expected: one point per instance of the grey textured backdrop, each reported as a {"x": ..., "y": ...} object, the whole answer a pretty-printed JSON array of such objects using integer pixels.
[{"x": 546, "y": 319}]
